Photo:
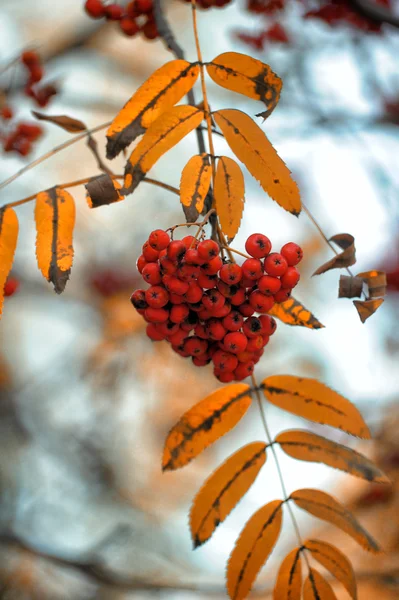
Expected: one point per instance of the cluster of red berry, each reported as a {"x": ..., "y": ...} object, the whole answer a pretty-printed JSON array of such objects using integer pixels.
[
  {"x": 136, "y": 17},
  {"x": 41, "y": 95},
  {"x": 336, "y": 12},
  {"x": 211, "y": 3},
  {"x": 193, "y": 291}
]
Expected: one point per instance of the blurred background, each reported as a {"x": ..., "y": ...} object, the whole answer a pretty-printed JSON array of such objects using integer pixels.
[{"x": 86, "y": 400}]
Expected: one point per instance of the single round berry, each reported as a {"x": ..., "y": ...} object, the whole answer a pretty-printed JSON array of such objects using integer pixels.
[
  {"x": 239, "y": 297},
  {"x": 156, "y": 296},
  {"x": 255, "y": 343},
  {"x": 159, "y": 239},
  {"x": 222, "y": 311},
  {"x": 269, "y": 325},
  {"x": 275, "y": 264},
  {"x": 194, "y": 292},
  {"x": 192, "y": 257},
  {"x": 114, "y": 12},
  {"x": 198, "y": 361},
  {"x": 215, "y": 329},
  {"x": 224, "y": 361},
  {"x": 156, "y": 315},
  {"x": 188, "y": 272},
  {"x": 227, "y": 290},
  {"x": 177, "y": 338},
  {"x": 176, "y": 298},
  {"x": 207, "y": 281},
  {"x": 235, "y": 342},
  {"x": 149, "y": 253},
  {"x": 143, "y": 6},
  {"x": 208, "y": 249},
  {"x": 178, "y": 313},
  {"x": 129, "y": 26},
  {"x": 153, "y": 333},
  {"x": 138, "y": 299},
  {"x": 195, "y": 346},
  {"x": 175, "y": 285},
  {"x": 190, "y": 242},
  {"x": 168, "y": 267},
  {"x": 283, "y": 295},
  {"x": 261, "y": 303},
  {"x": 246, "y": 309},
  {"x": 252, "y": 268},
  {"x": 233, "y": 321},
  {"x": 213, "y": 266},
  {"x": 201, "y": 331},
  {"x": 269, "y": 285},
  {"x": 11, "y": 286},
  {"x": 290, "y": 278},
  {"x": 244, "y": 370},
  {"x": 141, "y": 263},
  {"x": 292, "y": 253},
  {"x": 213, "y": 299},
  {"x": 151, "y": 273},
  {"x": 252, "y": 327},
  {"x": 168, "y": 328},
  {"x": 230, "y": 273},
  {"x": 176, "y": 250},
  {"x": 258, "y": 245},
  {"x": 95, "y": 9},
  {"x": 224, "y": 376}
]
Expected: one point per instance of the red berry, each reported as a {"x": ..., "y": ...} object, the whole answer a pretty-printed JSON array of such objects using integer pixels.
[
  {"x": 238, "y": 298},
  {"x": 150, "y": 30},
  {"x": 6, "y": 113},
  {"x": 175, "y": 285},
  {"x": 246, "y": 309},
  {"x": 269, "y": 325},
  {"x": 258, "y": 245},
  {"x": 194, "y": 292},
  {"x": 152, "y": 274},
  {"x": 141, "y": 263},
  {"x": 290, "y": 278},
  {"x": 156, "y": 315},
  {"x": 143, "y": 6},
  {"x": 168, "y": 267},
  {"x": 95, "y": 9},
  {"x": 200, "y": 331},
  {"x": 215, "y": 329},
  {"x": 224, "y": 361},
  {"x": 224, "y": 376},
  {"x": 188, "y": 272},
  {"x": 252, "y": 327},
  {"x": 190, "y": 322},
  {"x": 176, "y": 298},
  {"x": 213, "y": 299},
  {"x": 222, "y": 311},
  {"x": 247, "y": 283},
  {"x": 194, "y": 346},
  {"x": 235, "y": 342},
  {"x": 177, "y": 339},
  {"x": 178, "y": 313},
  {"x": 227, "y": 290},
  {"x": 255, "y": 343},
  {"x": 179, "y": 350},
  {"x": 207, "y": 281},
  {"x": 192, "y": 257},
  {"x": 213, "y": 266},
  {"x": 208, "y": 249},
  {"x": 275, "y": 264},
  {"x": 230, "y": 273},
  {"x": 176, "y": 250},
  {"x": 252, "y": 268},
  {"x": 114, "y": 12},
  {"x": 149, "y": 253},
  {"x": 30, "y": 57},
  {"x": 233, "y": 321},
  {"x": 168, "y": 328},
  {"x": 159, "y": 239},
  {"x": 11, "y": 286},
  {"x": 156, "y": 296},
  {"x": 153, "y": 333},
  {"x": 269, "y": 285},
  {"x": 190, "y": 242},
  {"x": 244, "y": 370},
  {"x": 138, "y": 299},
  {"x": 260, "y": 302},
  {"x": 129, "y": 26},
  {"x": 282, "y": 295},
  {"x": 32, "y": 132},
  {"x": 198, "y": 361}
]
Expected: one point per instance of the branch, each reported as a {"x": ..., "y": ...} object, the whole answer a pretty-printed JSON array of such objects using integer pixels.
[{"x": 375, "y": 12}]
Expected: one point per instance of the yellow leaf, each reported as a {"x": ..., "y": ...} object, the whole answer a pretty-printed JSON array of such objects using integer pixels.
[
  {"x": 194, "y": 185},
  {"x": 289, "y": 579},
  {"x": 334, "y": 561},
  {"x": 8, "y": 243},
  {"x": 252, "y": 549},
  {"x": 317, "y": 588},
  {"x": 366, "y": 308},
  {"x": 205, "y": 423},
  {"x": 229, "y": 195},
  {"x": 159, "y": 93},
  {"x": 55, "y": 220},
  {"x": 323, "y": 506},
  {"x": 161, "y": 136},
  {"x": 313, "y": 400},
  {"x": 248, "y": 76},
  {"x": 224, "y": 489},
  {"x": 310, "y": 447},
  {"x": 251, "y": 146},
  {"x": 292, "y": 312}
]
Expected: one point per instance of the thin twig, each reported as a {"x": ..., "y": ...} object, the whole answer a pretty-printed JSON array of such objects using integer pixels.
[{"x": 229, "y": 249}]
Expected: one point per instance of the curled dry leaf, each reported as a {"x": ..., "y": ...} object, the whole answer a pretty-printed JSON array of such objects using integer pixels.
[
  {"x": 66, "y": 123},
  {"x": 310, "y": 447},
  {"x": 311, "y": 399},
  {"x": 336, "y": 562},
  {"x": 161, "y": 136},
  {"x": 350, "y": 287},
  {"x": 8, "y": 242},
  {"x": 103, "y": 190},
  {"x": 248, "y": 76},
  {"x": 325, "y": 507},
  {"x": 224, "y": 489},
  {"x": 289, "y": 579},
  {"x": 194, "y": 185},
  {"x": 252, "y": 549},
  {"x": 317, "y": 588},
  {"x": 344, "y": 259},
  {"x": 166, "y": 86},
  {"x": 292, "y": 312},
  {"x": 229, "y": 195},
  {"x": 366, "y": 308},
  {"x": 205, "y": 423},
  {"x": 376, "y": 282},
  {"x": 55, "y": 220},
  {"x": 251, "y": 146}
]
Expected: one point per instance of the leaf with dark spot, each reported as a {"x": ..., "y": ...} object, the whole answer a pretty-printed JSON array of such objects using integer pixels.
[
  {"x": 103, "y": 190},
  {"x": 293, "y": 312}
]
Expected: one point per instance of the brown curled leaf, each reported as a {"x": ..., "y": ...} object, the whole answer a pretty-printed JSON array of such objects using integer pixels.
[
  {"x": 248, "y": 76},
  {"x": 229, "y": 195},
  {"x": 166, "y": 86},
  {"x": 366, "y": 308},
  {"x": 350, "y": 287},
  {"x": 205, "y": 423},
  {"x": 194, "y": 185},
  {"x": 289, "y": 579},
  {"x": 8, "y": 242},
  {"x": 224, "y": 489},
  {"x": 336, "y": 562},
  {"x": 310, "y": 447},
  {"x": 376, "y": 282},
  {"x": 325, "y": 507},
  {"x": 66, "y": 123},
  {"x": 344, "y": 259},
  {"x": 171, "y": 127},
  {"x": 55, "y": 221},
  {"x": 311, "y": 399},
  {"x": 253, "y": 547},
  {"x": 317, "y": 588},
  {"x": 292, "y": 312},
  {"x": 103, "y": 190}
]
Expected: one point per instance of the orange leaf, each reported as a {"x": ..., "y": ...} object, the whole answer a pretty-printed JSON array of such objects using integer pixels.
[
  {"x": 292, "y": 312},
  {"x": 310, "y": 447},
  {"x": 317, "y": 588},
  {"x": 289, "y": 579},
  {"x": 55, "y": 220},
  {"x": 161, "y": 136},
  {"x": 344, "y": 259},
  {"x": 310, "y": 399},
  {"x": 205, "y": 423},
  {"x": 251, "y": 146},
  {"x": 103, "y": 190},
  {"x": 8, "y": 243},
  {"x": 334, "y": 561},
  {"x": 166, "y": 86},
  {"x": 323, "y": 506},
  {"x": 224, "y": 489},
  {"x": 376, "y": 283},
  {"x": 366, "y": 308},
  {"x": 229, "y": 195},
  {"x": 248, "y": 76},
  {"x": 194, "y": 185},
  {"x": 252, "y": 549}
]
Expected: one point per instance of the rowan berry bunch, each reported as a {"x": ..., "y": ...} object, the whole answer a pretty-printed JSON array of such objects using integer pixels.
[
  {"x": 136, "y": 17},
  {"x": 210, "y": 309}
]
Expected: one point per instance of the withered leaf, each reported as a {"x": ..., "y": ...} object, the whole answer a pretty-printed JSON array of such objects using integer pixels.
[
  {"x": 67, "y": 123},
  {"x": 344, "y": 259},
  {"x": 376, "y": 282},
  {"x": 350, "y": 287},
  {"x": 366, "y": 308},
  {"x": 103, "y": 190}
]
